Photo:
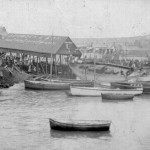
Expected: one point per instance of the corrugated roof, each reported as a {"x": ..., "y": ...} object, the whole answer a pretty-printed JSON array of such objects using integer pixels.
[{"x": 33, "y": 43}]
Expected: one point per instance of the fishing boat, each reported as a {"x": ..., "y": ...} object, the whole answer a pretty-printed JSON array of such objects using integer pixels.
[
  {"x": 80, "y": 125},
  {"x": 45, "y": 85},
  {"x": 146, "y": 87},
  {"x": 108, "y": 96},
  {"x": 55, "y": 84},
  {"x": 125, "y": 85},
  {"x": 96, "y": 91}
]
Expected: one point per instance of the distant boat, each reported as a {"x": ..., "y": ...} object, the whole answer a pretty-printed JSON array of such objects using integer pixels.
[
  {"x": 125, "y": 85},
  {"x": 144, "y": 78},
  {"x": 108, "y": 96},
  {"x": 55, "y": 84},
  {"x": 139, "y": 76},
  {"x": 96, "y": 91},
  {"x": 146, "y": 87},
  {"x": 80, "y": 125}
]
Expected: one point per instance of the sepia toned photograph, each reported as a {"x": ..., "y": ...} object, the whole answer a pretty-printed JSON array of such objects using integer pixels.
[{"x": 74, "y": 74}]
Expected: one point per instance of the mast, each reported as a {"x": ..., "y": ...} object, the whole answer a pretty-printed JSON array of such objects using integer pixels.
[
  {"x": 94, "y": 68},
  {"x": 52, "y": 56}
]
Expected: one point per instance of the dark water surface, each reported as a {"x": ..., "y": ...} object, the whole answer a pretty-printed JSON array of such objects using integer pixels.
[{"x": 24, "y": 121}]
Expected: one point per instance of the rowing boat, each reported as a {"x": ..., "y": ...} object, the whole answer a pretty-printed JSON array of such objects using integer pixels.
[
  {"x": 108, "y": 96},
  {"x": 46, "y": 85},
  {"x": 126, "y": 85},
  {"x": 55, "y": 84},
  {"x": 80, "y": 125}
]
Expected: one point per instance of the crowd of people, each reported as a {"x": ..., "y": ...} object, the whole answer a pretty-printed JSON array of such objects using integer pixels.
[{"x": 28, "y": 65}]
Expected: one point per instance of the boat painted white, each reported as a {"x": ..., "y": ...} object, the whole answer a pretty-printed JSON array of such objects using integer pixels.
[{"x": 96, "y": 91}]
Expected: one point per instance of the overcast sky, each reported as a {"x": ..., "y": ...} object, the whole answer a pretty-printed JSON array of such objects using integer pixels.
[{"x": 77, "y": 18}]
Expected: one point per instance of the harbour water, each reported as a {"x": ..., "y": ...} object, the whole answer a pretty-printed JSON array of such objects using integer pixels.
[{"x": 24, "y": 121}]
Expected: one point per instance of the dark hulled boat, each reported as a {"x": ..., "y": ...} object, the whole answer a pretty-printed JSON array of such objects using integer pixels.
[
  {"x": 80, "y": 125},
  {"x": 56, "y": 84},
  {"x": 122, "y": 85},
  {"x": 146, "y": 87},
  {"x": 108, "y": 96}
]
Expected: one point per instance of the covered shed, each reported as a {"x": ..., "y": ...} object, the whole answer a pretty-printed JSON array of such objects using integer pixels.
[
  {"x": 47, "y": 46},
  {"x": 43, "y": 45}
]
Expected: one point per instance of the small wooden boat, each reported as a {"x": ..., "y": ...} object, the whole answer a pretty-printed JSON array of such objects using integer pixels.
[
  {"x": 80, "y": 125},
  {"x": 125, "y": 85},
  {"x": 96, "y": 91},
  {"x": 108, "y": 96},
  {"x": 145, "y": 78},
  {"x": 146, "y": 87},
  {"x": 55, "y": 84},
  {"x": 46, "y": 85}
]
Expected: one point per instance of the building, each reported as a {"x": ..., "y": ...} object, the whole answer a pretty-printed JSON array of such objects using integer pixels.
[{"x": 50, "y": 48}]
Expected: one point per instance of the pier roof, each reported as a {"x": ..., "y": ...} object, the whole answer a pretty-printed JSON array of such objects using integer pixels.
[{"x": 42, "y": 44}]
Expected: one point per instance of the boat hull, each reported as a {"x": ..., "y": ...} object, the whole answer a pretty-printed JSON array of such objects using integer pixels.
[
  {"x": 122, "y": 85},
  {"x": 144, "y": 79},
  {"x": 89, "y": 91},
  {"x": 117, "y": 96},
  {"x": 45, "y": 85},
  {"x": 146, "y": 87},
  {"x": 55, "y": 125},
  {"x": 56, "y": 84}
]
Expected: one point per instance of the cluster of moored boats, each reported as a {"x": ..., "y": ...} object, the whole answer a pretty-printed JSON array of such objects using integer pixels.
[{"x": 113, "y": 91}]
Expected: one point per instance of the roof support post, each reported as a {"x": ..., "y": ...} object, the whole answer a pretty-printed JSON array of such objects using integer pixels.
[
  {"x": 51, "y": 64},
  {"x": 55, "y": 66},
  {"x": 41, "y": 65},
  {"x": 37, "y": 66},
  {"x": 60, "y": 60},
  {"x": 46, "y": 64}
]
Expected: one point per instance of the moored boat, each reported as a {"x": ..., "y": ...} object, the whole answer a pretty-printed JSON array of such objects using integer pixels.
[
  {"x": 125, "y": 85},
  {"x": 80, "y": 125},
  {"x": 55, "y": 84},
  {"x": 96, "y": 91},
  {"x": 46, "y": 85},
  {"x": 108, "y": 96},
  {"x": 145, "y": 78}
]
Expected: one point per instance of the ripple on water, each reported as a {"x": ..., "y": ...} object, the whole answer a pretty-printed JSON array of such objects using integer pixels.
[{"x": 24, "y": 117}]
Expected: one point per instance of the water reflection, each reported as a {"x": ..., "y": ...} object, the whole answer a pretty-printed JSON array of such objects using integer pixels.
[
  {"x": 80, "y": 134},
  {"x": 5, "y": 100},
  {"x": 117, "y": 101}
]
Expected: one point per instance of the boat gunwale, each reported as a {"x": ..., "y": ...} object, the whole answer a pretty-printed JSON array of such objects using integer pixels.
[
  {"x": 81, "y": 125},
  {"x": 106, "y": 89}
]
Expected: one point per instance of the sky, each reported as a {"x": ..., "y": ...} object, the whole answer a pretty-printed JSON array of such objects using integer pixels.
[{"x": 77, "y": 18}]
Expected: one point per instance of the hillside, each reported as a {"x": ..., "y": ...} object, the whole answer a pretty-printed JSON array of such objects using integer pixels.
[{"x": 138, "y": 41}]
